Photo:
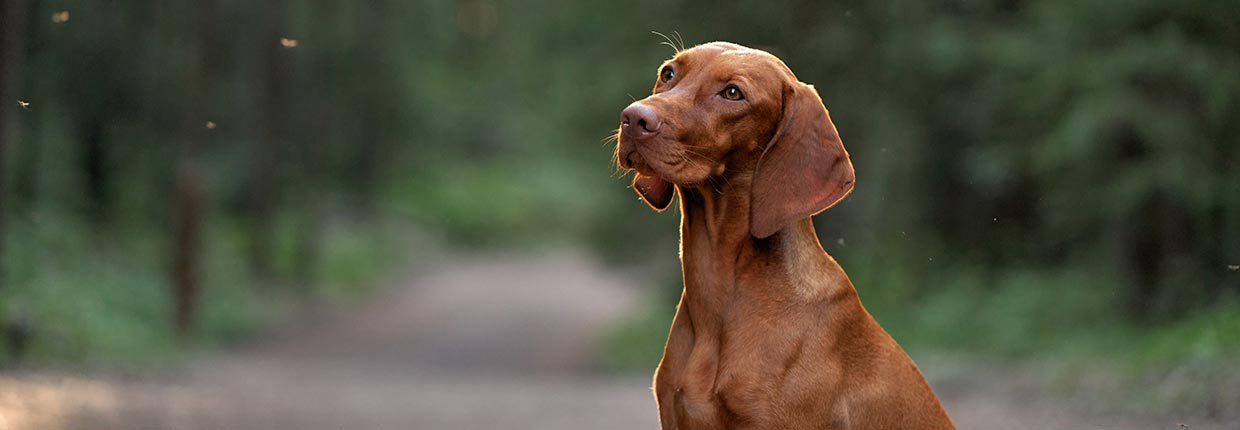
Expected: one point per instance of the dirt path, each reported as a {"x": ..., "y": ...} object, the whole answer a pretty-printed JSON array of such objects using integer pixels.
[
  {"x": 501, "y": 342},
  {"x": 498, "y": 343}
]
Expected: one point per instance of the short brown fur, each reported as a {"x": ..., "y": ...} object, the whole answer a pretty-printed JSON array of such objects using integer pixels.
[{"x": 769, "y": 333}]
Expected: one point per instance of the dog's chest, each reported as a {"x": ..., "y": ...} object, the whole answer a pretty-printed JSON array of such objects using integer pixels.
[
  {"x": 740, "y": 397},
  {"x": 702, "y": 388},
  {"x": 684, "y": 384}
]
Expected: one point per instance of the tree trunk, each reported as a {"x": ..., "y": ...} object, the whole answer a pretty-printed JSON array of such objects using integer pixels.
[
  {"x": 266, "y": 169},
  {"x": 189, "y": 187},
  {"x": 94, "y": 164},
  {"x": 12, "y": 60},
  {"x": 186, "y": 237}
]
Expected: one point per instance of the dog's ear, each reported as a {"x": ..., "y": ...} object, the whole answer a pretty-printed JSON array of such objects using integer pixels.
[
  {"x": 803, "y": 170},
  {"x": 656, "y": 192}
]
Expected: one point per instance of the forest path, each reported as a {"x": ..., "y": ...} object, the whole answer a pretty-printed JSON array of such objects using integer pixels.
[{"x": 501, "y": 342}]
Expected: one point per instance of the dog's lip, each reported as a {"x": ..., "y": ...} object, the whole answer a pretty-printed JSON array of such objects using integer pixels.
[
  {"x": 636, "y": 153},
  {"x": 638, "y": 161}
]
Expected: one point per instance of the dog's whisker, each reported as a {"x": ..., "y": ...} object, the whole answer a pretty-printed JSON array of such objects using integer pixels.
[
  {"x": 692, "y": 152},
  {"x": 617, "y": 171},
  {"x": 727, "y": 184},
  {"x": 669, "y": 42},
  {"x": 714, "y": 184},
  {"x": 695, "y": 164},
  {"x": 612, "y": 138},
  {"x": 687, "y": 145}
]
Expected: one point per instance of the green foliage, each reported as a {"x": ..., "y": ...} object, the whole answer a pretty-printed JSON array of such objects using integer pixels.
[
  {"x": 358, "y": 258},
  {"x": 87, "y": 298},
  {"x": 1022, "y": 166},
  {"x": 101, "y": 299},
  {"x": 1018, "y": 314},
  {"x": 636, "y": 344},
  {"x": 1211, "y": 336}
]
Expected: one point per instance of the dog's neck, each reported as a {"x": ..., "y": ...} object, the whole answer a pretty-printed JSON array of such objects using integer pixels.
[{"x": 715, "y": 238}]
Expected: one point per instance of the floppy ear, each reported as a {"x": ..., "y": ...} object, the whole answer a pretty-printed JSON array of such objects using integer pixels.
[
  {"x": 803, "y": 170},
  {"x": 656, "y": 192}
]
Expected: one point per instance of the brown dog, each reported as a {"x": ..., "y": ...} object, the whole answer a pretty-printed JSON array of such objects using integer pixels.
[{"x": 769, "y": 333}]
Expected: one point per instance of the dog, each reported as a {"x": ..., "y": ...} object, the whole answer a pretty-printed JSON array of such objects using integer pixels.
[{"x": 769, "y": 332}]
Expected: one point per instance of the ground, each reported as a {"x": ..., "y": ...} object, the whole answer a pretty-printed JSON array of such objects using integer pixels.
[{"x": 474, "y": 343}]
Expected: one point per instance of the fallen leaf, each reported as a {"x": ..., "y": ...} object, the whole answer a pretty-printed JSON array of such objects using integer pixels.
[
  {"x": 60, "y": 17},
  {"x": 288, "y": 43}
]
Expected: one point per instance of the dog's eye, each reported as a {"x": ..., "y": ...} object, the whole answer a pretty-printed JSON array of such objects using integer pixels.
[
  {"x": 732, "y": 93},
  {"x": 667, "y": 74}
]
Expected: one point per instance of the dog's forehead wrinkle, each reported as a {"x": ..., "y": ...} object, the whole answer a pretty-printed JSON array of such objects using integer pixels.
[{"x": 724, "y": 57}]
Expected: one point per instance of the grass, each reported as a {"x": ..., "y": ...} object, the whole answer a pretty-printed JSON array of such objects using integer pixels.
[{"x": 101, "y": 299}]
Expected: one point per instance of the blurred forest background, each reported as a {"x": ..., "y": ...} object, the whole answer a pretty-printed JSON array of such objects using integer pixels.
[{"x": 1035, "y": 179}]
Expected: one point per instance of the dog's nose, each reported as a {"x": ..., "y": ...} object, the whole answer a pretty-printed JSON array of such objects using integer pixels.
[{"x": 640, "y": 121}]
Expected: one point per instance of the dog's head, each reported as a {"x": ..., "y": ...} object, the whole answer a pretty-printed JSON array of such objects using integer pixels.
[{"x": 722, "y": 110}]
